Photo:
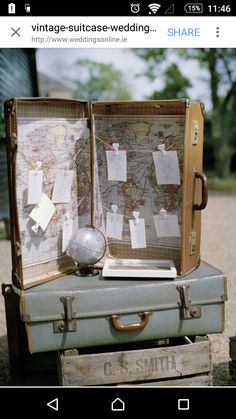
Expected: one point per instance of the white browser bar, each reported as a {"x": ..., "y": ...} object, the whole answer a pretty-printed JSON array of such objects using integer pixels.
[{"x": 117, "y": 32}]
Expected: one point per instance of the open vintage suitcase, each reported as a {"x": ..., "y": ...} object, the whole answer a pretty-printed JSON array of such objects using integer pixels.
[{"x": 162, "y": 182}]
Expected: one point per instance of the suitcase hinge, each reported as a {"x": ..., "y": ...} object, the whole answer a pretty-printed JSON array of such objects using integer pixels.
[
  {"x": 187, "y": 311},
  {"x": 192, "y": 243},
  {"x": 88, "y": 123},
  {"x": 13, "y": 141},
  {"x": 68, "y": 324},
  {"x": 186, "y": 102},
  {"x": 195, "y": 132},
  {"x": 16, "y": 280},
  {"x": 9, "y": 110},
  {"x": 18, "y": 249}
]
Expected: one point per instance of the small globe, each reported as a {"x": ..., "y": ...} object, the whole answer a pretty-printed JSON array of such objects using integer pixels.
[{"x": 87, "y": 246}]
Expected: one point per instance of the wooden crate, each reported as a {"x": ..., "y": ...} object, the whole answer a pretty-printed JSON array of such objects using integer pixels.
[
  {"x": 232, "y": 364},
  {"x": 186, "y": 364}
]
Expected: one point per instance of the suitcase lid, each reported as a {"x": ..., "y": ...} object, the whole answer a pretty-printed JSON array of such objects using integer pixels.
[
  {"x": 95, "y": 296},
  {"x": 50, "y": 135}
]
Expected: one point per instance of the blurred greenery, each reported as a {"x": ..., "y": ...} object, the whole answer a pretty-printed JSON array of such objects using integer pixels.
[
  {"x": 220, "y": 64},
  {"x": 100, "y": 81},
  {"x": 2, "y": 233},
  {"x": 176, "y": 85},
  {"x": 5, "y": 229},
  {"x": 219, "y": 185}
]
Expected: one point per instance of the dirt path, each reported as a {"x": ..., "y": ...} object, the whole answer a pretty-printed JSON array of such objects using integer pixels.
[{"x": 218, "y": 248}]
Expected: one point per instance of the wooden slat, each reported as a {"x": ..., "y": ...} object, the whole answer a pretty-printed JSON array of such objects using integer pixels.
[
  {"x": 136, "y": 365},
  {"x": 232, "y": 347},
  {"x": 194, "y": 381}
]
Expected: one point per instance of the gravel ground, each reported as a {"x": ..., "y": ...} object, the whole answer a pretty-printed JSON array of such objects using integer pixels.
[{"x": 218, "y": 247}]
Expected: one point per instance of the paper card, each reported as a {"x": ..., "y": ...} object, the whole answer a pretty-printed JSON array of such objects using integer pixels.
[
  {"x": 35, "y": 186},
  {"x": 116, "y": 165},
  {"x": 138, "y": 234},
  {"x": 114, "y": 226},
  {"x": 62, "y": 186},
  {"x": 44, "y": 212},
  {"x": 67, "y": 231},
  {"x": 166, "y": 167},
  {"x": 166, "y": 225}
]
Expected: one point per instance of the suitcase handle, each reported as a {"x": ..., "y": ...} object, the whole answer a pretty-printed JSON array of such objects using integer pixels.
[
  {"x": 199, "y": 207},
  {"x": 129, "y": 327}
]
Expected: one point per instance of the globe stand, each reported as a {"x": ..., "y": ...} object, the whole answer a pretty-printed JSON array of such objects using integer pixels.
[{"x": 86, "y": 271}]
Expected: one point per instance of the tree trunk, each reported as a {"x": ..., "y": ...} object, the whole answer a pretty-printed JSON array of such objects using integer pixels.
[
  {"x": 221, "y": 145},
  {"x": 223, "y": 119},
  {"x": 223, "y": 161}
]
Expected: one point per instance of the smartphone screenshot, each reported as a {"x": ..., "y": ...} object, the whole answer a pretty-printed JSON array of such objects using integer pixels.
[{"x": 117, "y": 208}]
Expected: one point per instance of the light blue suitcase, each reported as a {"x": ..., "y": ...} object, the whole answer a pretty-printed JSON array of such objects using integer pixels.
[{"x": 76, "y": 312}]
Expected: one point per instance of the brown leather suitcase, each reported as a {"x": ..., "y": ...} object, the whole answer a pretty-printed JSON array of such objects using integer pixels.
[
  {"x": 140, "y": 128},
  {"x": 46, "y": 136}
]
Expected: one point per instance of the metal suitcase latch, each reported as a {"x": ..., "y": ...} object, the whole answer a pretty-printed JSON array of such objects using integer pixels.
[
  {"x": 68, "y": 324},
  {"x": 187, "y": 311}
]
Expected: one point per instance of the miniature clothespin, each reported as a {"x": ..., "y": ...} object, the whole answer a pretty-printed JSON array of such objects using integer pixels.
[
  {"x": 116, "y": 147},
  {"x": 162, "y": 148},
  {"x": 67, "y": 216},
  {"x": 114, "y": 209},
  {"x": 38, "y": 165},
  {"x": 163, "y": 212},
  {"x": 136, "y": 216},
  {"x": 35, "y": 228}
]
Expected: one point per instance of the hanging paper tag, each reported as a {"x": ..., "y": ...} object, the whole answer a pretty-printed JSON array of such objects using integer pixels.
[
  {"x": 114, "y": 226},
  {"x": 116, "y": 164},
  {"x": 62, "y": 186},
  {"x": 137, "y": 232},
  {"x": 166, "y": 167},
  {"x": 166, "y": 225},
  {"x": 43, "y": 213},
  {"x": 67, "y": 231},
  {"x": 35, "y": 186}
]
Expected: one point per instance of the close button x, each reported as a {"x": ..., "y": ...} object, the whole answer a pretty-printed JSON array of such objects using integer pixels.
[{"x": 15, "y": 32}]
